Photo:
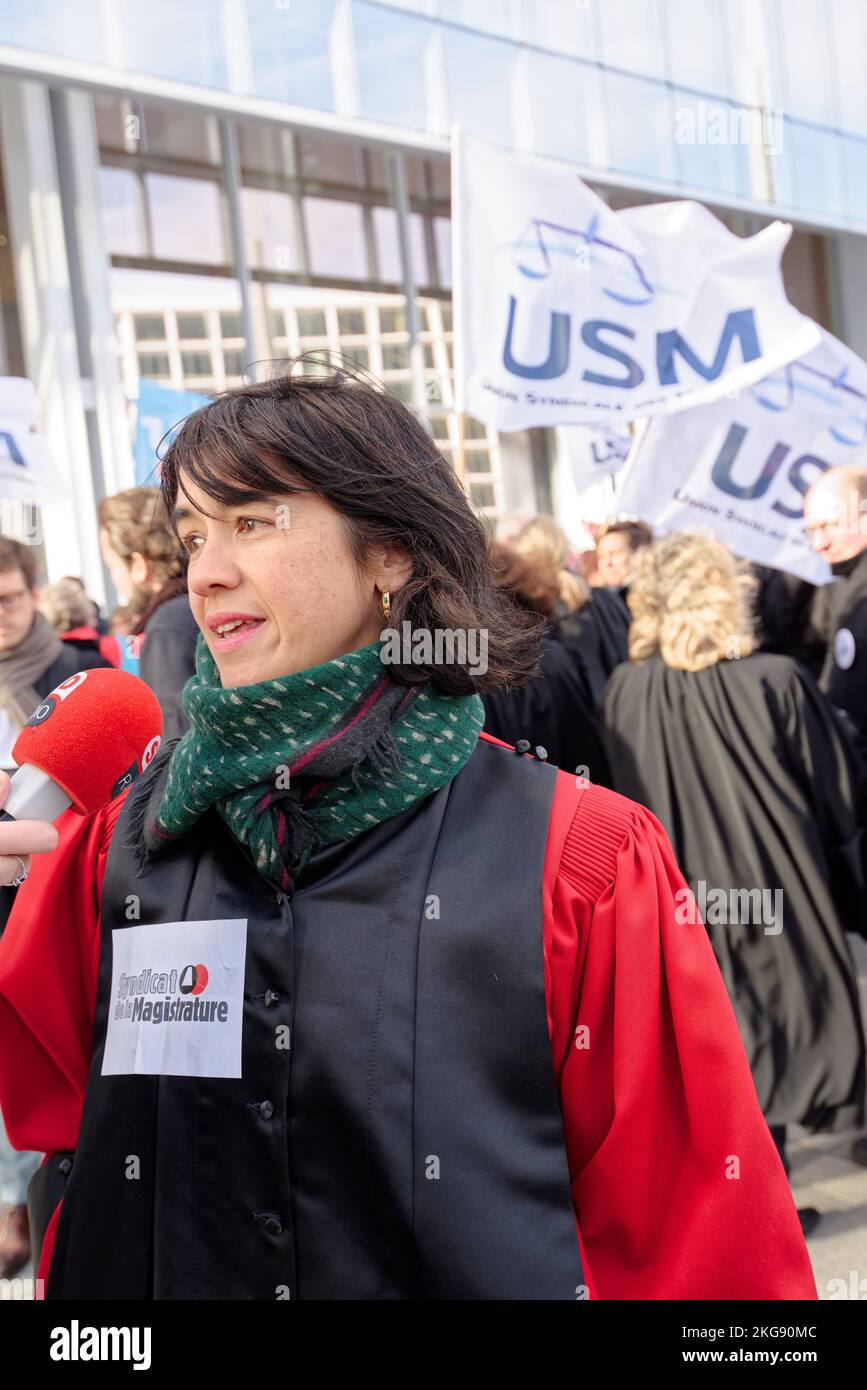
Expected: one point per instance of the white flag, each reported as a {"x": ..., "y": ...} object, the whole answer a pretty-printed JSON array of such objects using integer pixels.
[
  {"x": 27, "y": 471},
  {"x": 741, "y": 467},
  {"x": 569, "y": 313}
]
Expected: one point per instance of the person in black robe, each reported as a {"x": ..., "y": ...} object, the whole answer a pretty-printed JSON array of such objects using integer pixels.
[
  {"x": 555, "y": 710},
  {"x": 591, "y": 624},
  {"x": 744, "y": 762},
  {"x": 597, "y": 638},
  {"x": 786, "y": 617},
  {"x": 834, "y": 512}
]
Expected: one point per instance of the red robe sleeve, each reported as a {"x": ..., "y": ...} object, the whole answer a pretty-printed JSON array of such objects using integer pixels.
[
  {"x": 678, "y": 1189},
  {"x": 49, "y": 962}
]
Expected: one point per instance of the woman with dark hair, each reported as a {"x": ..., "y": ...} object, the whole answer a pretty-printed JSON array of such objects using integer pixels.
[
  {"x": 354, "y": 1031},
  {"x": 556, "y": 708}
]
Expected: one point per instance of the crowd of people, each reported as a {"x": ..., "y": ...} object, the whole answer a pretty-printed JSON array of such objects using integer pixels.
[{"x": 690, "y": 875}]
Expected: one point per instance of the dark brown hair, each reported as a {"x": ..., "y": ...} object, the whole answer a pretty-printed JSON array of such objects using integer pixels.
[
  {"x": 366, "y": 454},
  {"x": 638, "y": 533},
  {"x": 530, "y": 582},
  {"x": 15, "y": 556}
]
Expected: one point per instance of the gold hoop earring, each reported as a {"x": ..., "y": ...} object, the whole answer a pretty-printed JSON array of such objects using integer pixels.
[{"x": 386, "y": 602}]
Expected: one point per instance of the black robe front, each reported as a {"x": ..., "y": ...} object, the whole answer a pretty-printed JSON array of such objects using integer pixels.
[
  {"x": 842, "y": 612},
  {"x": 555, "y": 710},
  {"x": 756, "y": 783}
]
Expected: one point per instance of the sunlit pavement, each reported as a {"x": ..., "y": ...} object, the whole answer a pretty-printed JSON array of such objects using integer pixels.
[{"x": 824, "y": 1176}]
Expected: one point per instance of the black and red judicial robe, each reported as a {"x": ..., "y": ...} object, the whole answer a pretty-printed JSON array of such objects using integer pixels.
[{"x": 649, "y": 1115}]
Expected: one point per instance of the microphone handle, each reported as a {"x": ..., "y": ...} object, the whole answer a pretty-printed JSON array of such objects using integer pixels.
[{"x": 34, "y": 796}]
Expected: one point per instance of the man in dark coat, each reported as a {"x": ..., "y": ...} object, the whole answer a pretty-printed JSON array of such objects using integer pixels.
[{"x": 834, "y": 511}]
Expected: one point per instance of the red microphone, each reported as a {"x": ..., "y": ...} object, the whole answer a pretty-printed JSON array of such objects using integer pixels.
[{"x": 83, "y": 745}]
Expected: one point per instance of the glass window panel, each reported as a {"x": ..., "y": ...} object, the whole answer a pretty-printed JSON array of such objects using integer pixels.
[
  {"x": 418, "y": 249},
  {"x": 565, "y": 100},
  {"x": 148, "y": 326},
  {"x": 331, "y": 161},
  {"x": 395, "y": 357},
  {"x": 564, "y": 28},
  {"x": 391, "y": 53},
  {"x": 446, "y": 315},
  {"x": 855, "y": 165},
  {"x": 153, "y": 364},
  {"x": 351, "y": 322},
  {"x": 401, "y": 389},
  {"x": 266, "y": 149},
  {"x": 474, "y": 429},
  {"x": 641, "y": 126},
  {"x": 480, "y": 73},
  {"x": 196, "y": 363},
  {"x": 110, "y": 114},
  {"x": 192, "y": 326},
  {"x": 482, "y": 494},
  {"x": 187, "y": 221},
  {"x": 816, "y": 158},
  {"x": 385, "y": 235},
  {"x": 180, "y": 135},
  {"x": 440, "y": 426},
  {"x": 697, "y": 45},
  {"x": 234, "y": 361},
  {"x": 311, "y": 323},
  {"x": 277, "y": 323},
  {"x": 269, "y": 230},
  {"x": 122, "y": 212},
  {"x": 357, "y": 355},
  {"x": 429, "y": 355},
  {"x": 290, "y": 48},
  {"x": 315, "y": 364},
  {"x": 712, "y": 143},
  {"x": 184, "y": 42},
  {"x": 478, "y": 461},
  {"x": 443, "y": 239},
  {"x": 335, "y": 235},
  {"x": 849, "y": 20},
  {"x": 231, "y": 325},
  {"x": 392, "y": 321},
  {"x": 801, "y": 58},
  {"x": 74, "y": 31},
  {"x": 632, "y": 33}
]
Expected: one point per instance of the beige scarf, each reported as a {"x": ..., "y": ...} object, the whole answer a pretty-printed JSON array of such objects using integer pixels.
[{"x": 22, "y": 666}]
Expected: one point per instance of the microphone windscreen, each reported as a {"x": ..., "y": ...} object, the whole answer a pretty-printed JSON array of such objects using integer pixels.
[{"x": 93, "y": 735}]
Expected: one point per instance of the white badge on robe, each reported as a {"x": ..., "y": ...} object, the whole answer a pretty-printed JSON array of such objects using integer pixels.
[
  {"x": 844, "y": 649},
  {"x": 177, "y": 999}
]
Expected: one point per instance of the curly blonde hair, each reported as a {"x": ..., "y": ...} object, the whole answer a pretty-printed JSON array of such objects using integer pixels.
[
  {"x": 691, "y": 601},
  {"x": 545, "y": 544},
  {"x": 65, "y": 605},
  {"x": 136, "y": 521}
]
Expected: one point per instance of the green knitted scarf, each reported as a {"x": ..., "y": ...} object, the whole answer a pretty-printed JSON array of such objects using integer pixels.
[{"x": 308, "y": 759}]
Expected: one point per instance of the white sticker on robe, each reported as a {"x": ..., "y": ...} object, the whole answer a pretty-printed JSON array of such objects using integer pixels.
[
  {"x": 177, "y": 999},
  {"x": 844, "y": 649}
]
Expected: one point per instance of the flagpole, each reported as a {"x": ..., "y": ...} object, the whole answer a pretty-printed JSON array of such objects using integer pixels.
[
  {"x": 458, "y": 308},
  {"x": 460, "y": 462}
]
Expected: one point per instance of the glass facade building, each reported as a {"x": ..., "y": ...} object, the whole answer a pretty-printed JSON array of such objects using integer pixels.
[{"x": 190, "y": 188}]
